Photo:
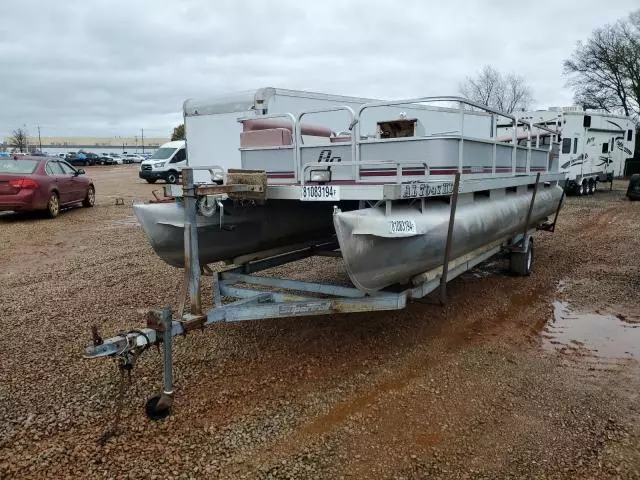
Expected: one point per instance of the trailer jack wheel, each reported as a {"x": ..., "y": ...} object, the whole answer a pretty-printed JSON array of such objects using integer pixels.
[
  {"x": 158, "y": 407},
  {"x": 521, "y": 263}
]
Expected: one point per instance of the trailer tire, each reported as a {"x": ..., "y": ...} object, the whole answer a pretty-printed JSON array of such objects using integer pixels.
[
  {"x": 521, "y": 263},
  {"x": 592, "y": 187},
  {"x": 581, "y": 188}
]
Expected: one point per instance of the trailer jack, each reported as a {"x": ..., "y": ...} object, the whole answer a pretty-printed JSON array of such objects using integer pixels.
[{"x": 159, "y": 406}]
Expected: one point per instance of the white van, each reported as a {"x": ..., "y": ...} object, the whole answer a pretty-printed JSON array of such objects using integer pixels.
[{"x": 165, "y": 164}]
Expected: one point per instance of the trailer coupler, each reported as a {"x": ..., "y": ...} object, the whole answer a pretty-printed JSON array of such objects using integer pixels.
[{"x": 128, "y": 346}]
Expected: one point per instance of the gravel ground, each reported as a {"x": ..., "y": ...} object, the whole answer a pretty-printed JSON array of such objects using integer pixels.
[{"x": 464, "y": 391}]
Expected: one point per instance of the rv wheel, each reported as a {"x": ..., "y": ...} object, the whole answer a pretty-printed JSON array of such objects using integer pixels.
[
  {"x": 592, "y": 187},
  {"x": 582, "y": 188}
]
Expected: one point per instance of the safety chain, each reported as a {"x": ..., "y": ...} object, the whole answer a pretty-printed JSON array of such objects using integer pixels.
[{"x": 126, "y": 360}]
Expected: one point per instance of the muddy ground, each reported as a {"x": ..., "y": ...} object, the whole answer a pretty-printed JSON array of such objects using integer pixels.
[{"x": 488, "y": 387}]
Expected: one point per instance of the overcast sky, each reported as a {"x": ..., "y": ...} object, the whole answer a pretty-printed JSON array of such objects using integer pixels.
[{"x": 111, "y": 67}]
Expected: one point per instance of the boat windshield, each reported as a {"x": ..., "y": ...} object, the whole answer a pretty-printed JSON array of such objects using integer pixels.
[
  {"x": 162, "y": 154},
  {"x": 18, "y": 166}
]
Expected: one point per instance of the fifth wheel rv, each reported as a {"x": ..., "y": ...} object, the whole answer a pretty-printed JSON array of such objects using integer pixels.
[{"x": 595, "y": 144}]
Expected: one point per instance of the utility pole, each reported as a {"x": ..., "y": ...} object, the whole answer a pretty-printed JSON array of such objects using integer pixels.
[
  {"x": 39, "y": 139},
  {"x": 142, "y": 131}
]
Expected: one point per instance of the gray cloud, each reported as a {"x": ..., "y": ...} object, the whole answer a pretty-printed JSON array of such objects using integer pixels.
[{"x": 110, "y": 67}]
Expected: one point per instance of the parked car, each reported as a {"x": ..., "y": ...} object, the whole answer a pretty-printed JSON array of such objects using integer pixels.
[
  {"x": 633, "y": 191},
  {"x": 43, "y": 183},
  {"x": 84, "y": 158},
  {"x": 107, "y": 160},
  {"x": 133, "y": 158},
  {"x": 115, "y": 159}
]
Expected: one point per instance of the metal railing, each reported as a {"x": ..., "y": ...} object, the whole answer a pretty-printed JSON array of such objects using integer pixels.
[
  {"x": 299, "y": 170},
  {"x": 461, "y": 103},
  {"x": 298, "y": 135}
]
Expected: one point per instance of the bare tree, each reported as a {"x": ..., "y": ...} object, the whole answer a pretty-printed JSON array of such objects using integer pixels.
[
  {"x": 18, "y": 140},
  {"x": 605, "y": 70},
  {"x": 505, "y": 92}
]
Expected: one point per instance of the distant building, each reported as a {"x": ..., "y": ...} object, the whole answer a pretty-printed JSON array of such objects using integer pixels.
[{"x": 96, "y": 142}]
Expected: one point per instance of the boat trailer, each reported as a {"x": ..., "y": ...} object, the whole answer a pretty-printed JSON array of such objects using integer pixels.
[{"x": 262, "y": 297}]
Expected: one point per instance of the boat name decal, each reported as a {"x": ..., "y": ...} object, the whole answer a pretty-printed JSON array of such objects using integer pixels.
[
  {"x": 421, "y": 189},
  {"x": 325, "y": 156}
]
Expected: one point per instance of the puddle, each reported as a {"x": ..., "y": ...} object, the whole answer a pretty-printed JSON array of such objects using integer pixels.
[{"x": 591, "y": 334}]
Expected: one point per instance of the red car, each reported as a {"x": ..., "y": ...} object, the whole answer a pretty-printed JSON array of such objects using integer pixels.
[{"x": 42, "y": 183}]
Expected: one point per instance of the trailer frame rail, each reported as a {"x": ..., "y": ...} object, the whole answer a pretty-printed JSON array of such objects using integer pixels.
[{"x": 261, "y": 297}]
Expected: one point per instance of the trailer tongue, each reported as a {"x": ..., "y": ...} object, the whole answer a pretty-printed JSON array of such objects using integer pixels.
[{"x": 407, "y": 208}]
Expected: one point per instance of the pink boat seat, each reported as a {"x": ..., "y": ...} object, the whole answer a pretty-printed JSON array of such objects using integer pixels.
[
  {"x": 270, "y": 137},
  {"x": 256, "y": 124}
]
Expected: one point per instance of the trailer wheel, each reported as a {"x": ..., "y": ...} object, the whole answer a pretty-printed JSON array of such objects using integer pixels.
[
  {"x": 521, "y": 263},
  {"x": 581, "y": 189},
  {"x": 592, "y": 187}
]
